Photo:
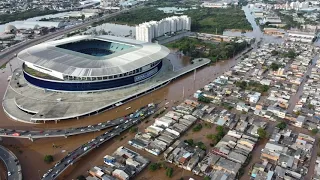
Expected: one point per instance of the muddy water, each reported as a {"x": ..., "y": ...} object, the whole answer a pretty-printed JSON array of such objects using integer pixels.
[
  {"x": 28, "y": 152},
  {"x": 172, "y": 92},
  {"x": 31, "y": 154}
]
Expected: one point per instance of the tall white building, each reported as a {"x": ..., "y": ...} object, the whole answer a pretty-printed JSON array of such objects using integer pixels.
[
  {"x": 109, "y": 4},
  {"x": 149, "y": 30}
]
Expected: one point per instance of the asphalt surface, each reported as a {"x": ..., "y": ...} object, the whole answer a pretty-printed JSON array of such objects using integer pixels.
[
  {"x": 10, "y": 53},
  {"x": 60, "y": 132},
  {"x": 12, "y": 164},
  {"x": 75, "y": 155}
]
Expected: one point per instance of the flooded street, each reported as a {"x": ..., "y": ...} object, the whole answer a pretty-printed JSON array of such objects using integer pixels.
[{"x": 34, "y": 152}]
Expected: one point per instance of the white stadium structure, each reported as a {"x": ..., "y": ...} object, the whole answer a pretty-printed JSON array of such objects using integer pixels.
[{"x": 86, "y": 63}]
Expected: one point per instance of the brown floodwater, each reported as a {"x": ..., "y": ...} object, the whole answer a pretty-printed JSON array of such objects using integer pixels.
[
  {"x": 172, "y": 92},
  {"x": 31, "y": 154}
]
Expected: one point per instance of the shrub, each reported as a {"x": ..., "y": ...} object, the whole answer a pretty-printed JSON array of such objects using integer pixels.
[
  {"x": 48, "y": 159},
  {"x": 282, "y": 125},
  {"x": 134, "y": 129},
  {"x": 154, "y": 166},
  {"x": 262, "y": 133},
  {"x": 169, "y": 172},
  {"x": 197, "y": 128},
  {"x": 81, "y": 177}
]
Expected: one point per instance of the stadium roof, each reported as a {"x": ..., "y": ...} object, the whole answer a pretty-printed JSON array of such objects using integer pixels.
[{"x": 47, "y": 55}]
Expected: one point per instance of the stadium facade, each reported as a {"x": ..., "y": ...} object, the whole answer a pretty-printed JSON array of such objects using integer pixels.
[{"x": 87, "y": 63}]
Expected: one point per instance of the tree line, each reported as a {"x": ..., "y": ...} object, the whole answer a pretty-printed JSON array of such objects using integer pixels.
[
  {"x": 5, "y": 18},
  {"x": 197, "y": 48}
]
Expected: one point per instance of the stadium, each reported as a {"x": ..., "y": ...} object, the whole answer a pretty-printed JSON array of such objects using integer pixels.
[
  {"x": 82, "y": 76},
  {"x": 91, "y": 63}
]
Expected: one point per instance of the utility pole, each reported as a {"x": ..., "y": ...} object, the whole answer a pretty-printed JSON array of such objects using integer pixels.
[{"x": 182, "y": 92}]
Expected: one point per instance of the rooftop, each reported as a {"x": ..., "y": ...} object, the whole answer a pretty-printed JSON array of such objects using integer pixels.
[{"x": 55, "y": 55}]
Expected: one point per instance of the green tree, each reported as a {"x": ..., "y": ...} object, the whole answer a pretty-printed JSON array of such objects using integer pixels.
[
  {"x": 48, "y": 159},
  {"x": 274, "y": 66},
  {"x": 153, "y": 166},
  {"x": 83, "y": 17},
  {"x": 242, "y": 84},
  {"x": 291, "y": 54},
  {"x": 262, "y": 133},
  {"x": 314, "y": 131},
  {"x": 265, "y": 88},
  {"x": 274, "y": 52},
  {"x": 81, "y": 177},
  {"x": 206, "y": 178},
  {"x": 282, "y": 125},
  {"x": 133, "y": 129},
  {"x": 220, "y": 128},
  {"x": 204, "y": 99},
  {"x": 210, "y": 136},
  {"x": 310, "y": 106},
  {"x": 197, "y": 128},
  {"x": 189, "y": 142},
  {"x": 201, "y": 145},
  {"x": 169, "y": 172}
]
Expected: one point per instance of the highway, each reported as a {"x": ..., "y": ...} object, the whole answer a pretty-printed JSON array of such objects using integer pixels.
[
  {"x": 60, "y": 132},
  {"x": 12, "y": 164},
  {"x": 63, "y": 132},
  {"x": 8, "y": 54},
  {"x": 75, "y": 155}
]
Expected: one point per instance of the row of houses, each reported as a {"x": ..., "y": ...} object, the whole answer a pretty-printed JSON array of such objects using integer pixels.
[
  {"x": 123, "y": 164},
  {"x": 286, "y": 155},
  {"x": 265, "y": 82},
  {"x": 166, "y": 129},
  {"x": 184, "y": 155},
  {"x": 221, "y": 162}
]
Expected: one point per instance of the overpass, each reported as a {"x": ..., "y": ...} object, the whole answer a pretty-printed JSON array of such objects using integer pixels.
[{"x": 31, "y": 135}]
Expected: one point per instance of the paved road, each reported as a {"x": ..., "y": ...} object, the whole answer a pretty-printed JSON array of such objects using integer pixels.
[
  {"x": 75, "y": 155},
  {"x": 12, "y": 164},
  {"x": 8, "y": 54},
  {"x": 60, "y": 132}
]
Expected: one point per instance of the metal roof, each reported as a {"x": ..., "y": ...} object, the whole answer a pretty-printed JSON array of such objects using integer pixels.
[{"x": 47, "y": 55}]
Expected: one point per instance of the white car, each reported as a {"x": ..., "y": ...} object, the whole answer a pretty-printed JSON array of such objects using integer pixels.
[
  {"x": 82, "y": 130},
  {"x": 45, "y": 175},
  {"x": 9, "y": 173},
  {"x": 99, "y": 124}
]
